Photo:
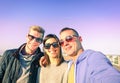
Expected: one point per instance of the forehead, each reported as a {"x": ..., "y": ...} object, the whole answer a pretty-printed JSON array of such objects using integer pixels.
[
  {"x": 35, "y": 33},
  {"x": 50, "y": 40},
  {"x": 66, "y": 33}
]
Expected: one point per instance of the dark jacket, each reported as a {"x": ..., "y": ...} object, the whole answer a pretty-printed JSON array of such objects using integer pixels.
[{"x": 10, "y": 66}]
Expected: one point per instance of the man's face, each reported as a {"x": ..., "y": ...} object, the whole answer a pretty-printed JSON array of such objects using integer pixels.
[
  {"x": 34, "y": 39},
  {"x": 70, "y": 42}
]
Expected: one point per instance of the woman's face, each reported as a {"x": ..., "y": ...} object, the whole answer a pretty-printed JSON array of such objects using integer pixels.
[{"x": 52, "y": 48}]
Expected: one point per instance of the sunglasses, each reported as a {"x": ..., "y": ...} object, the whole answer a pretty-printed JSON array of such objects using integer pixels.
[
  {"x": 68, "y": 39},
  {"x": 31, "y": 37},
  {"x": 48, "y": 45}
]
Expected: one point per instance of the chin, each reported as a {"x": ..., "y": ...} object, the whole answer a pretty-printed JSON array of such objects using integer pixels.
[{"x": 33, "y": 49}]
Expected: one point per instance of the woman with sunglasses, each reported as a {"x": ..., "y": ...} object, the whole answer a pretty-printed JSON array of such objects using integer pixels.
[{"x": 55, "y": 70}]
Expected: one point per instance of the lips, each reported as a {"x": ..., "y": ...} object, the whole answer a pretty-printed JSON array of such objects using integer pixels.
[
  {"x": 53, "y": 51},
  {"x": 68, "y": 48}
]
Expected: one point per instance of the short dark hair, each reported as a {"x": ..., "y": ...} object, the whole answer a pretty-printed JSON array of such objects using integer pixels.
[{"x": 67, "y": 28}]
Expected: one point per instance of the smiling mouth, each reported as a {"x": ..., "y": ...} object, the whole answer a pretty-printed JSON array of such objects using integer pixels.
[
  {"x": 52, "y": 52},
  {"x": 68, "y": 48}
]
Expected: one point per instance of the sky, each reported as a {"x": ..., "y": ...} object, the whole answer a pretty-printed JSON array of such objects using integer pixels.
[{"x": 97, "y": 21}]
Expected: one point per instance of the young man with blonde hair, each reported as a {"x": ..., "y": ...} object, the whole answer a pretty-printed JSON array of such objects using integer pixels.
[{"x": 21, "y": 65}]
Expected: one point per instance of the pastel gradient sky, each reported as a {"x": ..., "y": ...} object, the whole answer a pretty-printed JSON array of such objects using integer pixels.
[{"x": 97, "y": 21}]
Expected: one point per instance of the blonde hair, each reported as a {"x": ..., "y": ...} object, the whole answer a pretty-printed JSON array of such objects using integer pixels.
[{"x": 37, "y": 28}]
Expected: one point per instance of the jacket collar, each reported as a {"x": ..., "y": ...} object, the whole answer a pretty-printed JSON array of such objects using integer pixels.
[{"x": 16, "y": 54}]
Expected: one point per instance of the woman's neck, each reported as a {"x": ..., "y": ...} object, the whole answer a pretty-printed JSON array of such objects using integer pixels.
[{"x": 54, "y": 61}]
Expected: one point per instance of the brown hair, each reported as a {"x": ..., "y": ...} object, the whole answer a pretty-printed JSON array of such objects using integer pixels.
[
  {"x": 67, "y": 28},
  {"x": 60, "y": 60}
]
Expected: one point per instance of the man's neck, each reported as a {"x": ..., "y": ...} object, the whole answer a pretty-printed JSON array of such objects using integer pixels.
[
  {"x": 74, "y": 57},
  {"x": 28, "y": 51}
]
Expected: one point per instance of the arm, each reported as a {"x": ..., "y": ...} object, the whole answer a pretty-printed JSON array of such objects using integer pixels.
[
  {"x": 102, "y": 69},
  {"x": 43, "y": 61}
]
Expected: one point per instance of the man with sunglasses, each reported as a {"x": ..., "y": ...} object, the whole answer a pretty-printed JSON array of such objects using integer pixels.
[
  {"x": 86, "y": 66},
  {"x": 21, "y": 65}
]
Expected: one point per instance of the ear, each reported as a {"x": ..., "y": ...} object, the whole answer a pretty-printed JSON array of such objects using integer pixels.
[
  {"x": 80, "y": 38},
  {"x": 27, "y": 37}
]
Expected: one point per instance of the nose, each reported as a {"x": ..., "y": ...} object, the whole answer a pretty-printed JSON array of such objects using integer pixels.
[
  {"x": 65, "y": 43},
  {"x": 34, "y": 40},
  {"x": 51, "y": 47}
]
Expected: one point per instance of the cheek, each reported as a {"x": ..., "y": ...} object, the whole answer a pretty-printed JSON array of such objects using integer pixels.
[
  {"x": 46, "y": 51},
  {"x": 38, "y": 43},
  {"x": 27, "y": 38},
  {"x": 58, "y": 51},
  {"x": 28, "y": 41},
  {"x": 63, "y": 48},
  {"x": 78, "y": 46}
]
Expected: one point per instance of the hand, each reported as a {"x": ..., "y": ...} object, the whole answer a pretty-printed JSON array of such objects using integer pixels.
[{"x": 43, "y": 61}]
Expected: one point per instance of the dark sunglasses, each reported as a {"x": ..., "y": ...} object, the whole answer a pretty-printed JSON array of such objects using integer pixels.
[
  {"x": 31, "y": 37},
  {"x": 48, "y": 45},
  {"x": 68, "y": 39}
]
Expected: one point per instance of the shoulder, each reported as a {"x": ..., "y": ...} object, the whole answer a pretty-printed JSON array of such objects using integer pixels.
[
  {"x": 91, "y": 54},
  {"x": 9, "y": 52},
  {"x": 97, "y": 58},
  {"x": 7, "y": 56},
  {"x": 96, "y": 55},
  {"x": 64, "y": 65}
]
